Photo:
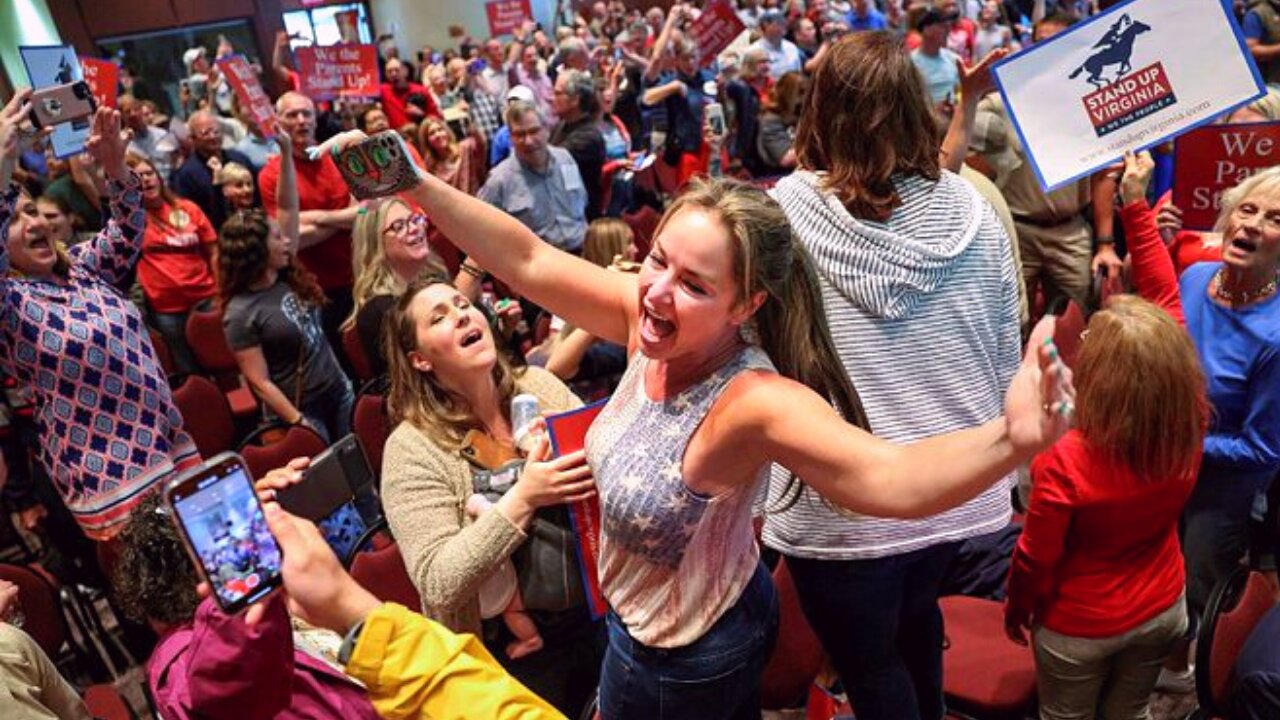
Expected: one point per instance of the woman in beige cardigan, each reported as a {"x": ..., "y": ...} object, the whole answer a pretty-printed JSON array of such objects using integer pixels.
[{"x": 449, "y": 402}]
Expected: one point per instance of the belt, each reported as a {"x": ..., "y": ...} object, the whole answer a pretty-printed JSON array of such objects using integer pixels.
[{"x": 1043, "y": 222}]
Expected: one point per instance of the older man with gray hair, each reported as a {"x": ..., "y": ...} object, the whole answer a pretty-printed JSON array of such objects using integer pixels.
[
  {"x": 194, "y": 179},
  {"x": 577, "y": 105},
  {"x": 539, "y": 184}
]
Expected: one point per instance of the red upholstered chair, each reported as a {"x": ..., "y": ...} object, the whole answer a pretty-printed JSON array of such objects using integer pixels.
[
  {"x": 262, "y": 457},
  {"x": 163, "y": 354},
  {"x": 644, "y": 223},
  {"x": 209, "y": 345},
  {"x": 42, "y": 611},
  {"x": 205, "y": 414},
  {"x": 1234, "y": 609},
  {"x": 354, "y": 350},
  {"x": 797, "y": 657},
  {"x": 370, "y": 425},
  {"x": 106, "y": 704},
  {"x": 984, "y": 673},
  {"x": 381, "y": 571}
]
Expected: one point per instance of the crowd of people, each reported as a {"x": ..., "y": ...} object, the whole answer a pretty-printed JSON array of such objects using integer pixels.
[{"x": 830, "y": 345}]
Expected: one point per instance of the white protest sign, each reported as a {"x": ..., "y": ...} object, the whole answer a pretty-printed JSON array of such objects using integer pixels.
[{"x": 1124, "y": 80}]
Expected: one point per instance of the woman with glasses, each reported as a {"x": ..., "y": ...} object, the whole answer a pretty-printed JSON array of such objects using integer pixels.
[
  {"x": 389, "y": 249},
  {"x": 271, "y": 315},
  {"x": 176, "y": 269}
]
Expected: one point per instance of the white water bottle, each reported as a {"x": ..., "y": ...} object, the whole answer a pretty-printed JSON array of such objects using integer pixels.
[{"x": 524, "y": 412}]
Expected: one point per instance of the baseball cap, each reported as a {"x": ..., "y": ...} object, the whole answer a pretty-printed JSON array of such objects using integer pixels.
[
  {"x": 189, "y": 57},
  {"x": 933, "y": 15},
  {"x": 520, "y": 92}
]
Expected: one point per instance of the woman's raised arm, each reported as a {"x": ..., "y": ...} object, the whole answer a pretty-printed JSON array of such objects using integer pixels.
[{"x": 604, "y": 303}]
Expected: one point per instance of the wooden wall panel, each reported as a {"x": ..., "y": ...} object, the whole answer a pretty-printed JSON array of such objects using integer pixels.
[{"x": 105, "y": 18}]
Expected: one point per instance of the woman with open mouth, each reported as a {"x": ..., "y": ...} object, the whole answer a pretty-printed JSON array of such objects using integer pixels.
[
  {"x": 1234, "y": 320},
  {"x": 726, "y": 296},
  {"x": 109, "y": 428}
]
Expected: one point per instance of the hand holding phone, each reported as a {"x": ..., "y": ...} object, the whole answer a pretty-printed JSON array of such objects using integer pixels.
[
  {"x": 60, "y": 104},
  {"x": 223, "y": 526}
]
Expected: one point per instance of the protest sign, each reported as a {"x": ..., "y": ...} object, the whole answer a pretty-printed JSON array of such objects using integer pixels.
[
  {"x": 103, "y": 77},
  {"x": 568, "y": 434},
  {"x": 348, "y": 23},
  {"x": 1124, "y": 80},
  {"x": 505, "y": 16},
  {"x": 248, "y": 89},
  {"x": 1214, "y": 158},
  {"x": 338, "y": 71},
  {"x": 714, "y": 29},
  {"x": 50, "y": 65}
]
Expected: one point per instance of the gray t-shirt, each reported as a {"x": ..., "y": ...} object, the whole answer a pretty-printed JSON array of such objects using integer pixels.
[{"x": 290, "y": 335}]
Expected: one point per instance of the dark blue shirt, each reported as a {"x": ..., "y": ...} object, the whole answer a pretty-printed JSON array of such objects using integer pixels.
[
  {"x": 873, "y": 20},
  {"x": 684, "y": 112},
  {"x": 194, "y": 181}
]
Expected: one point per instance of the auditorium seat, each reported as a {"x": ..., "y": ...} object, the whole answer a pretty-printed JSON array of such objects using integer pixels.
[
  {"x": 985, "y": 674},
  {"x": 1235, "y": 607},
  {"x": 354, "y": 351},
  {"x": 209, "y": 345},
  {"x": 267, "y": 449},
  {"x": 205, "y": 414},
  {"x": 369, "y": 423}
]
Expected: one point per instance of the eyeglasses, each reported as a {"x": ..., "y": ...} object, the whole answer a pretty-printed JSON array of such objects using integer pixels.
[{"x": 399, "y": 227}]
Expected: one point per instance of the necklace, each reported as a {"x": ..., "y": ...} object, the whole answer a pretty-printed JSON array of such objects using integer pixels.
[{"x": 1243, "y": 297}]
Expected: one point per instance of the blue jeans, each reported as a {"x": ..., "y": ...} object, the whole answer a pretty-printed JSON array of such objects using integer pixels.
[
  {"x": 330, "y": 411},
  {"x": 173, "y": 328},
  {"x": 717, "y": 676},
  {"x": 880, "y": 623}
]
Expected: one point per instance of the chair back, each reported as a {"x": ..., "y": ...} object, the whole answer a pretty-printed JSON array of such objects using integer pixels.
[
  {"x": 354, "y": 350},
  {"x": 105, "y": 703},
  {"x": 264, "y": 456},
  {"x": 381, "y": 571},
  {"x": 370, "y": 424},
  {"x": 1235, "y": 607},
  {"x": 208, "y": 342},
  {"x": 985, "y": 674},
  {"x": 643, "y": 223},
  {"x": 797, "y": 656},
  {"x": 206, "y": 416},
  {"x": 163, "y": 354},
  {"x": 42, "y": 611}
]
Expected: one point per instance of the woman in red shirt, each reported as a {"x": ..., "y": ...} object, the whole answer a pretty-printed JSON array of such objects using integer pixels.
[
  {"x": 1098, "y": 572},
  {"x": 176, "y": 269}
]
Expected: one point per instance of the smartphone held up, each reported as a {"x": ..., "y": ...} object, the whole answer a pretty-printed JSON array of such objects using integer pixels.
[{"x": 222, "y": 523}]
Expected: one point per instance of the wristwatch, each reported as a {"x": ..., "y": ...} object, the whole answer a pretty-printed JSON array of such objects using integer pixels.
[{"x": 349, "y": 643}]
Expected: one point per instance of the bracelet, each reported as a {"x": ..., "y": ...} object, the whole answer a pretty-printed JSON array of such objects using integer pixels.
[
  {"x": 1104, "y": 240},
  {"x": 472, "y": 270}
]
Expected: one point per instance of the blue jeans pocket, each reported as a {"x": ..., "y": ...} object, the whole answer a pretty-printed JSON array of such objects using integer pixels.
[{"x": 716, "y": 692}]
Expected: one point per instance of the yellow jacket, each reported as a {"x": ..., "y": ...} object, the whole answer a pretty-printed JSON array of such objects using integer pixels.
[{"x": 416, "y": 668}]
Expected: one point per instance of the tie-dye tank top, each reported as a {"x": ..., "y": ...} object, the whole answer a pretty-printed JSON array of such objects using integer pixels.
[{"x": 672, "y": 561}]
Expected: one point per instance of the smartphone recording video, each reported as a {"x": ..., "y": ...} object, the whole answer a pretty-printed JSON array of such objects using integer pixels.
[{"x": 221, "y": 520}]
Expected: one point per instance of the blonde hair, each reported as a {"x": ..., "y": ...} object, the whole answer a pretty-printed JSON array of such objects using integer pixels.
[
  {"x": 1266, "y": 180},
  {"x": 1140, "y": 392},
  {"x": 791, "y": 323},
  {"x": 232, "y": 173},
  {"x": 606, "y": 238},
  {"x": 418, "y": 397},
  {"x": 369, "y": 265}
]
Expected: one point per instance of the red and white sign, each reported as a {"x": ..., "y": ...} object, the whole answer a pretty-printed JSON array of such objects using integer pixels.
[
  {"x": 103, "y": 77},
  {"x": 244, "y": 82},
  {"x": 1214, "y": 158},
  {"x": 568, "y": 434},
  {"x": 338, "y": 71},
  {"x": 348, "y": 23},
  {"x": 1129, "y": 99},
  {"x": 715, "y": 28},
  {"x": 505, "y": 16}
]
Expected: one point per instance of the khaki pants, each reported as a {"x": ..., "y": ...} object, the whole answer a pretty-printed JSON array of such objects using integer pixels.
[
  {"x": 1056, "y": 260},
  {"x": 1108, "y": 678}
]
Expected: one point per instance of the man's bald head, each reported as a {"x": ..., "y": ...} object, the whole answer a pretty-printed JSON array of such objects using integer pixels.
[
  {"x": 205, "y": 133},
  {"x": 296, "y": 114}
]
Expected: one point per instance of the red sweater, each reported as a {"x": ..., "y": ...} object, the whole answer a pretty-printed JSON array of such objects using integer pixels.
[{"x": 1099, "y": 552}]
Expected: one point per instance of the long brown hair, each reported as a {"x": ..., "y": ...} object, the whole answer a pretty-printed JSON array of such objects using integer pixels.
[
  {"x": 133, "y": 160},
  {"x": 242, "y": 258},
  {"x": 1140, "y": 392},
  {"x": 429, "y": 154},
  {"x": 791, "y": 323},
  {"x": 867, "y": 119},
  {"x": 787, "y": 96},
  {"x": 418, "y": 397}
]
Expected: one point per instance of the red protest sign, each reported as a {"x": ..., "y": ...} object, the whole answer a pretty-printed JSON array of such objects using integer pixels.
[
  {"x": 714, "y": 29},
  {"x": 568, "y": 434},
  {"x": 244, "y": 82},
  {"x": 507, "y": 15},
  {"x": 103, "y": 77},
  {"x": 1214, "y": 158},
  {"x": 338, "y": 71}
]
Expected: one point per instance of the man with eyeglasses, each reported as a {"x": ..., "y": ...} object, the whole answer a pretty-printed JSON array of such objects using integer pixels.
[
  {"x": 194, "y": 179},
  {"x": 539, "y": 184}
]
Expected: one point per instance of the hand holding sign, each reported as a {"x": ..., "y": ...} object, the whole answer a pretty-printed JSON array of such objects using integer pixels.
[{"x": 1137, "y": 176}]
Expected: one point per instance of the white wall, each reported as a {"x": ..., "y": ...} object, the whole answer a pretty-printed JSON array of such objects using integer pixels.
[
  {"x": 26, "y": 22},
  {"x": 426, "y": 22}
]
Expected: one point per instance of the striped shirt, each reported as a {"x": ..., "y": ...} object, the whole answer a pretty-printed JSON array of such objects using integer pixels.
[{"x": 924, "y": 314}]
